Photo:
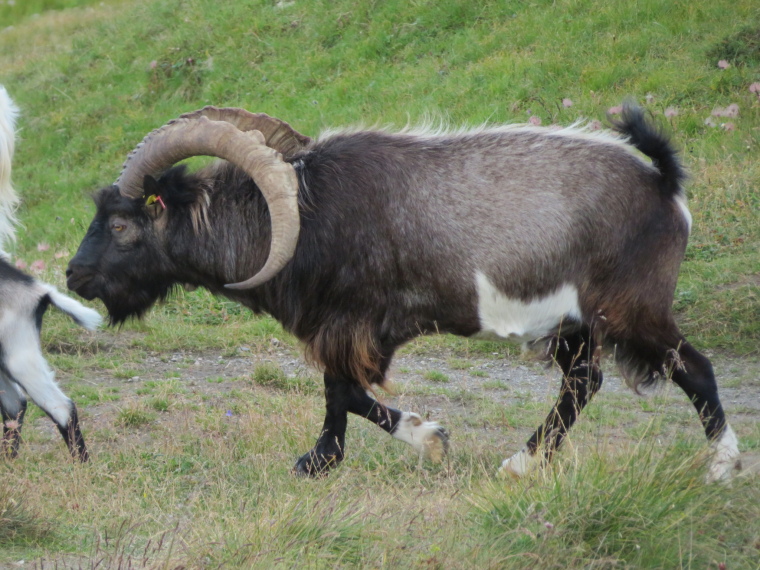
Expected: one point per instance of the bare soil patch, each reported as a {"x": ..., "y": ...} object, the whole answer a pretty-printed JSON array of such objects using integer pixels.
[{"x": 438, "y": 384}]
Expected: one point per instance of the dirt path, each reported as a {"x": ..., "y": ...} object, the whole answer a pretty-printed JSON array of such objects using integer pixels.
[{"x": 425, "y": 382}]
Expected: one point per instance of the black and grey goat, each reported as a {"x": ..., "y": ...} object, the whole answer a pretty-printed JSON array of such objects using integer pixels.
[
  {"x": 363, "y": 240},
  {"x": 23, "y": 302}
]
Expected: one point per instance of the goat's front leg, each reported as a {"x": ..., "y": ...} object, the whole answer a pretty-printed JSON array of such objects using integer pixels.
[
  {"x": 428, "y": 438},
  {"x": 328, "y": 451}
]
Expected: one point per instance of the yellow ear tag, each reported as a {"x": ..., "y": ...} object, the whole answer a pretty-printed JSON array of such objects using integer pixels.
[{"x": 153, "y": 198}]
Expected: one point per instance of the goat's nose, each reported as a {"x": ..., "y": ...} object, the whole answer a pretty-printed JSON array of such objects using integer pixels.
[{"x": 69, "y": 271}]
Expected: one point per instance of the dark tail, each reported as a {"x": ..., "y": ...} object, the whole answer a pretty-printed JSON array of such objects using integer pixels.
[{"x": 650, "y": 140}]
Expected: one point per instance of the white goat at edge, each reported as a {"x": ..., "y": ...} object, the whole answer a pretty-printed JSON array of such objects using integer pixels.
[{"x": 23, "y": 301}]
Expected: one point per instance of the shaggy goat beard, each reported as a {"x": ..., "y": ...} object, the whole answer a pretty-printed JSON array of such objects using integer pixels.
[{"x": 124, "y": 302}]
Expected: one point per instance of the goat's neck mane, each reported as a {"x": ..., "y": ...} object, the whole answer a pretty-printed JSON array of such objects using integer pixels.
[{"x": 223, "y": 235}]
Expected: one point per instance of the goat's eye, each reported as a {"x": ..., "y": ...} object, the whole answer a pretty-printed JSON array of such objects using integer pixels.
[{"x": 117, "y": 227}]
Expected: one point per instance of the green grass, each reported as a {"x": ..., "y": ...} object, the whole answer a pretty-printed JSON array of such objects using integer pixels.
[
  {"x": 18, "y": 524},
  {"x": 193, "y": 473},
  {"x": 643, "y": 517},
  {"x": 272, "y": 375},
  {"x": 104, "y": 75},
  {"x": 17, "y": 11},
  {"x": 135, "y": 416},
  {"x": 436, "y": 376},
  {"x": 220, "y": 491}
]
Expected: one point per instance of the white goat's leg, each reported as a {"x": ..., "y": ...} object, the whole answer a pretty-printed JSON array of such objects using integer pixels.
[{"x": 27, "y": 367}]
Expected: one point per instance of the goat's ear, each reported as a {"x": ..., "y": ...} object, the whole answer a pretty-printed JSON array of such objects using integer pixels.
[
  {"x": 150, "y": 185},
  {"x": 153, "y": 203}
]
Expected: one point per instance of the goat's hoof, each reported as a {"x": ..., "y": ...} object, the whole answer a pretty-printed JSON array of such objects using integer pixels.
[
  {"x": 436, "y": 445},
  {"x": 520, "y": 464},
  {"x": 314, "y": 464},
  {"x": 9, "y": 444},
  {"x": 724, "y": 461}
]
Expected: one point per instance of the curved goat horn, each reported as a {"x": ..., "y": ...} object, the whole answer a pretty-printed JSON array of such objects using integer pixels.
[
  {"x": 279, "y": 135},
  {"x": 200, "y": 136}
]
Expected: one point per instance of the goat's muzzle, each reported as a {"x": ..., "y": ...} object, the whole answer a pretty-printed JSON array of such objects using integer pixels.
[{"x": 77, "y": 279}]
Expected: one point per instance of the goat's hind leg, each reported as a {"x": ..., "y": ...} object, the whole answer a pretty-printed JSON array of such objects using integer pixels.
[
  {"x": 693, "y": 373},
  {"x": 578, "y": 356},
  {"x": 13, "y": 408},
  {"x": 27, "y": 367}
]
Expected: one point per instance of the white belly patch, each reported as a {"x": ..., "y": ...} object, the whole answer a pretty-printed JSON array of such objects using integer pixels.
[{"x": 505, "y": 318}]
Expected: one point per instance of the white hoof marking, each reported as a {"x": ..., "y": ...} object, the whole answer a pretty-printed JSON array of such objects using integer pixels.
[
  {"x": 725, "y": 456},
  {"x": 427, "y": 438},
  {"x": 520, "y": 464}
]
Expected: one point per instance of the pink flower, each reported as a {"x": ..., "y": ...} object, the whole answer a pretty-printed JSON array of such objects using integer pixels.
[
  {"x": 595, "y": 125},
  {"x": 671, "y": 112},
  {"x": 60, "y": 254},
  {"x": 549, "y": 525},
  {"x": 616, "y": 110},
  {"x": 728, "y": 126},
  {"x": 534, "y": 120},
  {"x": 723, "y": 64},
  {"x": 153, "y": 64},
  {"x": 567, "y": 102},
  {"x": 37, "y": 265},
  {"x": 42, "y": 246},
  {"x": 20, "y": 264},
  {"x": 649, "y": 98},
  {"x": 755, "y": 88},
  {"x": 731, "y": 111},
  {"x": 710, "y": 122}
]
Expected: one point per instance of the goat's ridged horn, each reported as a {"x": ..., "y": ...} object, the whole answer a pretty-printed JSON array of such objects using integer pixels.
[
  {"x": 279, "y": 135},
  {"x": 183, "y": 138}
]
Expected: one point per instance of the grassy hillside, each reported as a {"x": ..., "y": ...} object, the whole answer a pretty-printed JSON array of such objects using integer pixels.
[
  {"x": 191, "y": 467},
  {"x": 93, "y": 80}
]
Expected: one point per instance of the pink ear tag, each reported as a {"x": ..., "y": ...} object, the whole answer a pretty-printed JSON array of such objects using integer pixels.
[{"x": 153, "y": 198}]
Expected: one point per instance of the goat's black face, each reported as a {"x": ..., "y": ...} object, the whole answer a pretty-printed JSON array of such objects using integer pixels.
[{"x": 120, "y": 260}]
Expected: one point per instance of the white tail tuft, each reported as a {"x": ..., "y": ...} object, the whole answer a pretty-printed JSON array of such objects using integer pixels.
[
  {"x": 88, "y": 318},
  {"x": 8, "y": 197}
]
